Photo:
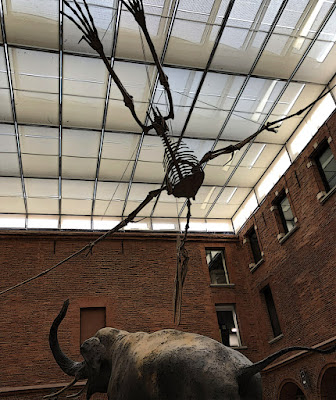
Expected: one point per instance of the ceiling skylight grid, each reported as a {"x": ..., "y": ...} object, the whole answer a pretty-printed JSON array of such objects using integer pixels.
[
  {"x": 33, "y": 35},
  {"x": 325, "y": 21},
  {"x": 12, "y": 102}
]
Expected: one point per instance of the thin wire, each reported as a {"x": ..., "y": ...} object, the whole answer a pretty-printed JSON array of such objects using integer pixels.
[
  {"x": 118, "y": 185},
  {"x": 113, "y": 17}
]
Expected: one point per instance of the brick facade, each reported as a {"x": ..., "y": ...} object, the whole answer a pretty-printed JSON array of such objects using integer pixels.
[{"x": 132, "y": 276}]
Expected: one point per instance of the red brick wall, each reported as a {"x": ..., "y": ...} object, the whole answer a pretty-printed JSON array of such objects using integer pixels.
[
  {"x": 132, "y": 275},
  {"x": 301, "y": 271}
]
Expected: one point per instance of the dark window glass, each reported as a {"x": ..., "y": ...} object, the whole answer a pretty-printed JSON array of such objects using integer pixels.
[
  {"x": 254, "y": 245},
  {"x": 91, "y": 320},
  {"x": 327, "y": 167},
  {"x": 272, "y": 311},
  {"x": 217, "y": 267},
  {"x": 286, "y": 214},
  {"x": 228, "y": 327}
]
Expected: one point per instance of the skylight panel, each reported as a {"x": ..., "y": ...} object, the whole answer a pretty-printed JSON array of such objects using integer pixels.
[
  {"x": 12, "y": 205},
  {"x": 79, "y": 168},
  {"x": 12, "y": 221},
  {"x": 80, "y": 143},
  {"x": 75, "y": 189},
  {"x": 310, "y": 126},
  {"x": 10, "y": 187},
  {"x": 39, "y": 140},
  {"x": 140, "y": 226},
  {"x": 6, "y": 114},
  {"x": 120, "y": 146},
  {"x": 194, "y": 225},
  {"x": 244, "y": 212},
  {"x": 104, "y": 223},
  {"x": 76, "y": 206},
  {"x": 223, "y": 225},
  {"x": 273, "y": 174},
  {"x": 9, "y": 164},
  {"x": 3, "y": 69},
  {"x": 40, "y": 166},
  {"x": 42, "y": 222},
  {"x": 41, "y": 187},
  {"x": 75, "y": 222}
]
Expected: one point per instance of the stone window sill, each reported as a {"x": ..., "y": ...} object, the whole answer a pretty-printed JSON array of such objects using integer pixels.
[
  {"x": 254, "y": 266},
  {"x": 276, "y": 339},
  {"x": 282, "y": 239},
  {"x": 323, "y": 197},
  {"x": 239, "y": 347},
  {"x": 224, "y": 285}
]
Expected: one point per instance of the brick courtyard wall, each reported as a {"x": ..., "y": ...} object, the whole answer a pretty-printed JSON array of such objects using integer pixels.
[
  {"x": 132, "y": 275},
  {"x": 300, "y": 269}
]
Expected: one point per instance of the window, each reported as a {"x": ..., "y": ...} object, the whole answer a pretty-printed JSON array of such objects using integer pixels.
[
  {"x": 217, "y": 267},
  {"x": 228, "y": 326},
  {"x": 271, "y": 311},
  {"x": 286, "y": 214},
  {"x": 91, "y": 320},
  {"x": 326, "y": 165},
  {"x": 252, "y": 236}
]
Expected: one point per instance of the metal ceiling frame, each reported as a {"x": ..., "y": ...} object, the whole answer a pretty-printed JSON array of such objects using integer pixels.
[
  {"x": 11, "y": 91},
  {"x": 61, "y": 53},
  {"x": 107, "y": 99},
  {"x": 323, "y": 24},
  {"x": 60, "y": 109},
  {"x": 275, "y": 21}
]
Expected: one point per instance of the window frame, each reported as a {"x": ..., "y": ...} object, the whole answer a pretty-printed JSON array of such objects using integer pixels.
[
  {"x": 226, "y": 273},
  {"x": 253, "y": 231},
  {"x": 272, "y": 314},
  {"x": 232, "y": 308},
  {"x": 321, "y": 149}
]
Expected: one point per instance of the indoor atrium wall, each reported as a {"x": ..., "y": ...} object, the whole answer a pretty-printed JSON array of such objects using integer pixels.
[
  {"x": 132, "y": 276},
  {"x": 299, "y": 268}
]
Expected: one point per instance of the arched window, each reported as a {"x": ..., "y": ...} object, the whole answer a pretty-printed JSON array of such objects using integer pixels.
[
  {"x": 290, "y": 391},
  {"x": 328, "y": 384}
]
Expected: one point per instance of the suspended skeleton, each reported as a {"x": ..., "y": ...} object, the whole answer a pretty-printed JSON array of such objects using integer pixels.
[{"x": 184, "y": 174}]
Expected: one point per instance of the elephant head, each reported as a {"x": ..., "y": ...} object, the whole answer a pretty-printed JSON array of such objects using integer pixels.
[{"x": 166, "y": 364}]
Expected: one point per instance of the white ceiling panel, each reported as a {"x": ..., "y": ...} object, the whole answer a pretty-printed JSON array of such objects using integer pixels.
[
  {"x": 246, "y": 177},
  {"x": 34, "y": 71},
  {"x": 83, "y": 78},
  {"x": 32, "y": 23},
  {"x": 104, "y": 207},
  {"x": 41, "y": 187},
  {"x": 84, "y": 112},
  {"x": 36, "y": 107},
  {"x": 111, "y": 191},
  {"x": 119, "y": 118},
  {"x": 3, "y": 69},
  {"x": 39, "y": 166},
  {"x": 72, "y": 189},
  {"x": 42, "y": 206},
  {"x": 76, "y": 207},
  {"x": 9, "y": 164},
  {"x": 152, "y": 149},
  {"x": 150, "y": 172},
  {"x": 12, "y": 205},
  {"x": 80, "y": 143},
  {"x": 79, "y": 168},
  {"x": 7, "y": 143},
  {"x": 120, "y": 146},
  {"x": 10, "y": 187},
  {"x": 115, "y": 170},
  {"x": 6, "y": 114},
  {"x": 223, "y": 210},
  {"x": 39, "y": 140}
]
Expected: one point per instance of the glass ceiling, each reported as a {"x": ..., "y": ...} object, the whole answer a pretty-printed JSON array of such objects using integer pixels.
[{"x": 71, "y": 155}]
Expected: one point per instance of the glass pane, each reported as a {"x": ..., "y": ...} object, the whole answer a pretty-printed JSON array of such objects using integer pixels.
[
  {"x": 228, "y": 329},
  {"x": 217, "y": 268},
  {"x": 328, "y": 164},
  {"x": 287, "y": 214}
]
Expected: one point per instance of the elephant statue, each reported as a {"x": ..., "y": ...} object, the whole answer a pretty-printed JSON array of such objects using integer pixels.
[{"x": 164, "y": 365}]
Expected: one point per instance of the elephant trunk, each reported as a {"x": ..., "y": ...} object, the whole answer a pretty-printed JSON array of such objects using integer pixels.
[
  {"x": 70, "y": 367},
  {"x": 246, "y": 373}
]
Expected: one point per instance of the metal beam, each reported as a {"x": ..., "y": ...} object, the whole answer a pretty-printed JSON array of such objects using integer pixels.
[
  {"x": 60, "y": 108},
  {"x": 107, "y": 98},
  {"x": 11, "y": 91}
]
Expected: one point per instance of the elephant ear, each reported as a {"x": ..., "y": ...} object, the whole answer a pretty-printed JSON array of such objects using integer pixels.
[{"x": 93, "y": 351}]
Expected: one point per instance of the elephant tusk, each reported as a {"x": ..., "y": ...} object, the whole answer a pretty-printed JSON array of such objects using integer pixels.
[
  {"x": 71, "y": 396},
  {"x": 56, "y": 394}
]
